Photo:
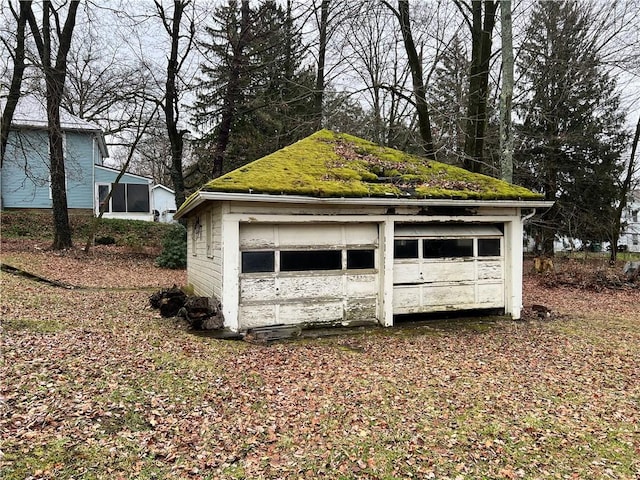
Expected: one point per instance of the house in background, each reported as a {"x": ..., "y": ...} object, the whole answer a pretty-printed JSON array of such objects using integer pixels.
[
  {"x": 335, "y": 230},
  {"x": 630, "y": 236},
  {"x": 163, "y": 200},
  {"x": 25, "y": 179}
]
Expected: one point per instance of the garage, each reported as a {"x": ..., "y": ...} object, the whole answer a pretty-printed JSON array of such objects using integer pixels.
[
  {"x": 439, "y": 267},
  {"x": 337, "y": 231},
  {"x": 311, "y": 274}
]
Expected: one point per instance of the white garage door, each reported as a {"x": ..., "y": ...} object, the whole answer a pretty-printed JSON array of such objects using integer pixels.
[
  {"x": 447, "y": 267},
  {"x": 308, "y": 273}
]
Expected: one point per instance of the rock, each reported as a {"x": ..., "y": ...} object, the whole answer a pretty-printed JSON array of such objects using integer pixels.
[
  {"x": 541, "y": 310},
  {"x": 631, "y": 270}
]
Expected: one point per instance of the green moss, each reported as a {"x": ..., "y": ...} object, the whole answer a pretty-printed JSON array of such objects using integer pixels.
[{"x": 328, "y": 164}]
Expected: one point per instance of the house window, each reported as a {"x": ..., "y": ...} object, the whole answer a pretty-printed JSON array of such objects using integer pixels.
[
  {"x": 126, "y": 197},
  {"x": 634, "y": 239},
  {"x": 258, "y": 262},
  {"x": 360, "y": 259},
  {"x": 634, "y": 216},
  {"x": 300, "y": 260},
  {"x": 405, "y": 248},
  {"x": 447, "y": 248},
  {"x": 488, "y": 247}
]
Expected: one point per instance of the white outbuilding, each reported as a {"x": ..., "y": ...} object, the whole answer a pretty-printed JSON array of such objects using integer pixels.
[{"x": 335, "y": 230}]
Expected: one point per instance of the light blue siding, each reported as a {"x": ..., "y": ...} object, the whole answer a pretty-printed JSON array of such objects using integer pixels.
[
  {"x": 79, "y": 167},
  {"x": 25, "y": 172},
  {"x": 25, "y": 179}
]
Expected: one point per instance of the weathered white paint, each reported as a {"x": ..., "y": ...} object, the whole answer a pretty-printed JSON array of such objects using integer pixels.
[
  {"x": 204, "y": 253},
  {"x": 204, "y": 196},
  {"x": 335, "y": 296},
  {"x": 250, "y": 300},
  {"x": 513, "y": 270},
  {"x": 387, "y": 229},
  {"x": 428, "y": 284}
]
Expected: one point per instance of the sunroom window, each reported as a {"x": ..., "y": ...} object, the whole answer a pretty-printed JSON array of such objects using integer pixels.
[{"x": 126, "y": 197}]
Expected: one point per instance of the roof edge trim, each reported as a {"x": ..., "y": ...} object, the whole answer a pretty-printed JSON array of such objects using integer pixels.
[{"x": 202, "y": 196}]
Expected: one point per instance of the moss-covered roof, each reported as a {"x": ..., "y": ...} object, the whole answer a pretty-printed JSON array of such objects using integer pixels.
[{"x": 328, "y": 164}]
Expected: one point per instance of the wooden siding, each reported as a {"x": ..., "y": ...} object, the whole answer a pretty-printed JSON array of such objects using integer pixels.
[
  {"x": 331, "y": 297},
  {"x": 204, "y": 262},
  {"x": 25, "y": 172}
]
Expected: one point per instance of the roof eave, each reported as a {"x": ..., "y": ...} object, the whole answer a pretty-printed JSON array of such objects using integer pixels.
[{"x": 203, "y": 196}]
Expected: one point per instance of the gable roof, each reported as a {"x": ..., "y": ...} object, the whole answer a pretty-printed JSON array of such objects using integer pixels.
[
  {"x": 31, "y": 112},
  {"x": 329, "y": 165}
]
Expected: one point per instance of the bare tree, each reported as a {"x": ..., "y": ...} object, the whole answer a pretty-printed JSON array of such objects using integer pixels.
[
  {"x": 17, "y": 54},
  {"x": 103, "y": 87},
  {"x": 54, "y": 67},
  {"x": 322, "y": 53},
  {"x": 625, "y": 190},
  {"x": 419, "y": 87},
  {"x": 238, "y": 42},
  {"x": 506, "y": 93},
  {"x": 141, "y": 127},
  {"x": 480, "y": 16},
  {"x": 181, "y": 45}
]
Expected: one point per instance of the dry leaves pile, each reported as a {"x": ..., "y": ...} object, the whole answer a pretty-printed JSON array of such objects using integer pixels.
[{"x": 95, "y": 385}]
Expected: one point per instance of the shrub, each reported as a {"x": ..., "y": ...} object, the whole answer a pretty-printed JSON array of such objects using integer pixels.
[
  {"x": 174, "y": 248},
  {"x": 106, "y": 240}
]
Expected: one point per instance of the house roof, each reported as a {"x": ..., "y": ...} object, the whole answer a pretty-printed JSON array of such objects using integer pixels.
[
  {"x": 329, "y": 165},
  {"x": 117, "y": 170},
  {"x": 163, "y": 187},
  {"x": 31, "y": 112}
]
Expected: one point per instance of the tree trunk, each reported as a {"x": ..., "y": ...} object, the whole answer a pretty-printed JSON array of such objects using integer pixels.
[
  {"x": 506, "y": 95},
  {"x": 62, "y": 230},
  {"x": 54, "y": 79},
  {"x": 16, "y": 78},
  {"x": 318, "y": 94},
  {"x": 481, "y": 31},
  {"x": 233, "y": 91},
  {"x": 419, "y": 89},
  {"x": 170, "y": 106}
]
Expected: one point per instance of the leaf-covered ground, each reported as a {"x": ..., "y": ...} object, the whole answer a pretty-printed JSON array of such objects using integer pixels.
[{"x": 95, "y": 385}]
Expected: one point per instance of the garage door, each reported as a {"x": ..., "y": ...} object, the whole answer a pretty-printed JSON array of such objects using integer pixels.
[
  {"x": 447, "y": 267},
  {"x": 308, "y": 273}
]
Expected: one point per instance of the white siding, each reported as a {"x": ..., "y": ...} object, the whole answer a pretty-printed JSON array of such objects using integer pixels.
[
  {"x": 204, "y": 251},
  {"x": 337, "y": 296}
]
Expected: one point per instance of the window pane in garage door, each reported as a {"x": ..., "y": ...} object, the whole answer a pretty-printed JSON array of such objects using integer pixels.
[
  {"x": 298, "y": 261},
  {"x": 357, "y": 259},
  {"x": 405, "y": 248},
  {"x": 448, "y": 248},
  {"x": 256, "y": 262},
  {"x": 488, "y": 247}
]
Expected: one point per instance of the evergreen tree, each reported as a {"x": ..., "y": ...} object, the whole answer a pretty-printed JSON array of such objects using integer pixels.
[
  {"x": 571, "y": 134},
  {"x": 274, "y": 95},
  {"x": 448, "y": 97}
]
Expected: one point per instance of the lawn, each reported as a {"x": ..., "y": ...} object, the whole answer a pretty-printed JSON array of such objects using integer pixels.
[{"x": 94, "y": 384}]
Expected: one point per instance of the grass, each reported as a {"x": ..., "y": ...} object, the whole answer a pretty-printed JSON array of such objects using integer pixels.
[
  {"x": 96, "y": 386},
  {"x": 37, "y": 225}
]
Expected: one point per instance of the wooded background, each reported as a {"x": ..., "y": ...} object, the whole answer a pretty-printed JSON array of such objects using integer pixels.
[{"x": 540, "y": 93}]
